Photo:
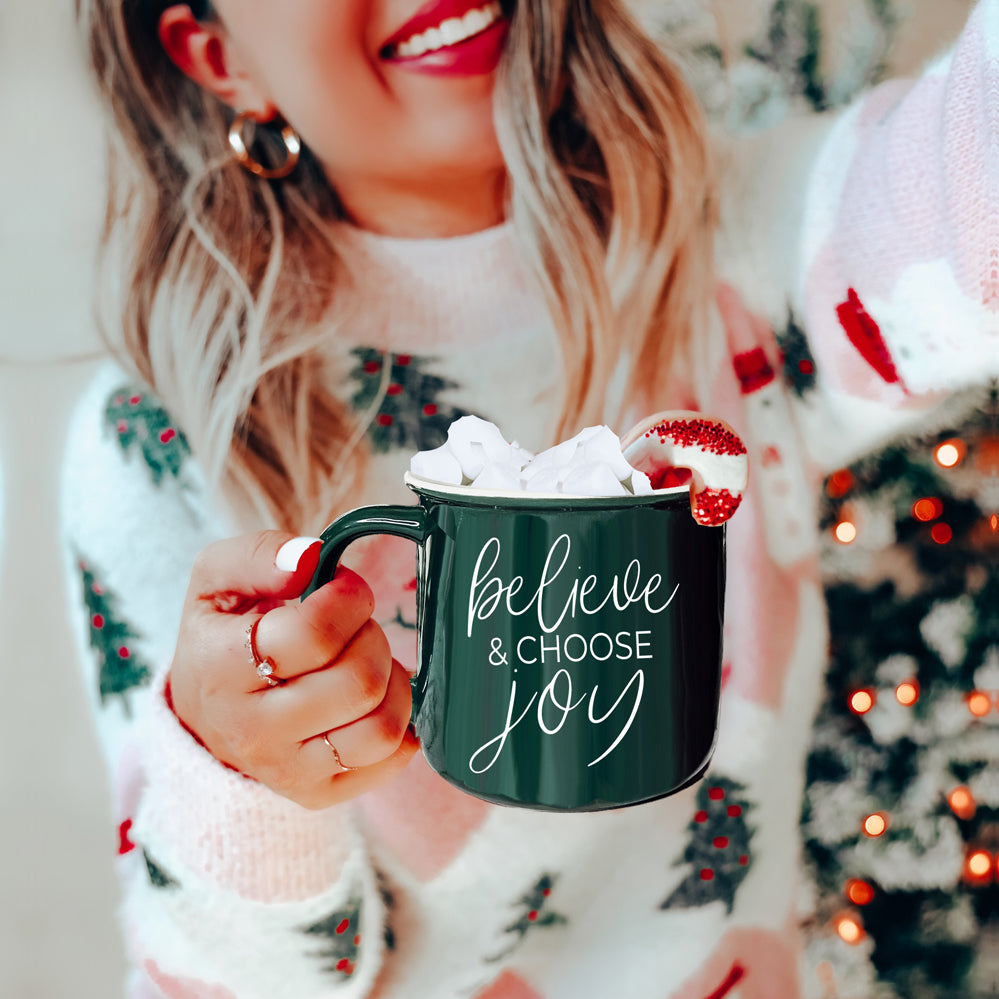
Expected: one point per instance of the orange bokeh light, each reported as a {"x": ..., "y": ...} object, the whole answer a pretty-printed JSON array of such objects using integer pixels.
[
  {"x": 845, "y": 532},
  {"x": 840, "y": 483},
  {"x": 850, "y": 929},
  {"x": 927, "y": 509},
  {"x": 907, "y": 693},
  {"x": 876, "y": 824},
  {"x": 994, "y": 522},
  {"x": 979, "y": 704},
  {"x": 941, "y": 533},
  {"x": 950, "y": 453},
  {"x": 979, "y": 864},
  {"x": 962, "y": 803},
  {"x": 859, "y": 892},
  {"x": 861, "y": 701}
]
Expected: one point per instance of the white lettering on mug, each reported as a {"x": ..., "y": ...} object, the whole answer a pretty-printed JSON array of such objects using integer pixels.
[
  {"x": 551, "y": 696},
  {"x": 589, "y": 596},
  {"x": 488, "y": 591}
]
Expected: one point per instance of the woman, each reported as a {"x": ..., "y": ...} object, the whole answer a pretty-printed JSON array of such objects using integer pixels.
[{"x": 524, "y": 193}]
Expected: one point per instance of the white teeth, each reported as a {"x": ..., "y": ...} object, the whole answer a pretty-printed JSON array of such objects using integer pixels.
[{"x": 451, "y": 31}]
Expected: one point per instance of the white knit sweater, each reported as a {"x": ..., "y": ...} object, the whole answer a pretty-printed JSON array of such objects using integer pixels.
[{"x": 877, "y": 233}]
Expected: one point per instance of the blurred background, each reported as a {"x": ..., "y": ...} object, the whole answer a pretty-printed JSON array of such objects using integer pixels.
[{"x": 754, "y": 62}]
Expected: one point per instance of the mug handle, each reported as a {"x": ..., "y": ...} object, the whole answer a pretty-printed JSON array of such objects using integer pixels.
[{"x": 411, "y": 522}]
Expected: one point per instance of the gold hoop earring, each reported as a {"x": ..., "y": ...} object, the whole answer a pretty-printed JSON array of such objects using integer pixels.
[{"x": 292, "y": 144}]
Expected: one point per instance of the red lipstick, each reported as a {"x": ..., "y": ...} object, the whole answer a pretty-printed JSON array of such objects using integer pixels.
[{"x": 473, "y": 55}]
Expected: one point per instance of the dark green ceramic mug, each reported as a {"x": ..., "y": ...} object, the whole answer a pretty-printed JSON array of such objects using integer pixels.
[{"x": 569, "y": 648}]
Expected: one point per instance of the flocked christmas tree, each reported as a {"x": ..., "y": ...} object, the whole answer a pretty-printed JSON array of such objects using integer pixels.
[{"x": 901, "y": 815}]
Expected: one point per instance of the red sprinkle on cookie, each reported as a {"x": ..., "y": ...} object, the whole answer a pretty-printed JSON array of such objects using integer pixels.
[{"x": 713, "y": 437}]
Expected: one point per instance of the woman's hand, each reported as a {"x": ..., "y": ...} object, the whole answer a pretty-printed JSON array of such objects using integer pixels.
[{"x": 334, "y": 675}]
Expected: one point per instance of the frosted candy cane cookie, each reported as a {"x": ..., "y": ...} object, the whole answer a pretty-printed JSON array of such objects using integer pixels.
[{"x": 709, "y": 449}]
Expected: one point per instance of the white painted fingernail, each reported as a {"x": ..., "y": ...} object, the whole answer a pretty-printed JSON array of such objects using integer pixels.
[{"x": 291, "y": 552}]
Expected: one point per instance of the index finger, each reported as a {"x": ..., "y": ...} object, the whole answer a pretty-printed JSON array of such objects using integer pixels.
[{"x": 303, "y": 637}]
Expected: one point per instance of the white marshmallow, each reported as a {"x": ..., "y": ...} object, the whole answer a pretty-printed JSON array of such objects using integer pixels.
[
  {"x": 439, "y": 465},
  {"x": 593, "y": 480},
  {"x": 546, "y": 481},
  {"x": 641, "y": 484},
  {"x": 498, "y": 477},
  {"x": 605, "y": 446},
  {"x": 473, "y": 442}
]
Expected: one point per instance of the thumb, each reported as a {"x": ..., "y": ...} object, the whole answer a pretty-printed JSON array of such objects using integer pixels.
[{"x": 235, "y": 573}]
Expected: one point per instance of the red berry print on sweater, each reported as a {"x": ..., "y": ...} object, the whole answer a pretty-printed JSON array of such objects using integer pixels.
[{"x": 865, "y": 334}]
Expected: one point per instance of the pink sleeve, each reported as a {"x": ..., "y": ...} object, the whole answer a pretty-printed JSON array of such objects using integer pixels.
[{"x": 900, "y": 278}]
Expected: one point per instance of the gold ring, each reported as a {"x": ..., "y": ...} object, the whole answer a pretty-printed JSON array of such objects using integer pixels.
[
  {"x": 263, "y": 665},
  {"x": 336, "y": 756}
]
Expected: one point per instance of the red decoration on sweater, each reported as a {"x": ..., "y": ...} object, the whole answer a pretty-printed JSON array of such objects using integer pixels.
[
  {"x": 732, "y": 979},
  {"x": 753, "y": 370},
  {"x": 125, "y": 844},
  {"x": 865, "y": 334}
]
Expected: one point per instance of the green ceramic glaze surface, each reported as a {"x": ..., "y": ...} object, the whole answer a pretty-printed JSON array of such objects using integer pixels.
[{"x": 570, "y": 652}]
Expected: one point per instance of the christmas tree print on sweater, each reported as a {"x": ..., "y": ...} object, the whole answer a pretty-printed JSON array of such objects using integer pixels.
[
  {"x": 158, "y": 877},
  {"x": 799, "y": 365},
  {"x": 139, "y": 422},
  {"x": 340, "y": 933},
  {"x": 535, "y": 913},
  {"x": 120, "y": 669},
  {"x": 718, "y": 847},
  {"x": 411, "y": 413}
]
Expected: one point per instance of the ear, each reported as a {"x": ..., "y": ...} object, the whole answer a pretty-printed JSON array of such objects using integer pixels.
[{"x": 202, "y": 51}]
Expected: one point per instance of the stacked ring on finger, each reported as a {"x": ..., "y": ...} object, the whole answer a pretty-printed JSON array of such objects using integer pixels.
[
  {"x": 264, "y": 666},
  {"x": 336, "y": 756}
]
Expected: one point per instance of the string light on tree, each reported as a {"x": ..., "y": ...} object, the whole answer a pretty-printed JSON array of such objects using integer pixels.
[
  {"x": 926, "y": 509},
  {"x": 941, "y": 533},
  {"x": 859, "y": 891},
  {"x": 840, "y": 483},
  {"x": 907, "y": 693},
  {"x": 950, "y": 453},
  {"x": 875, "y": 824},
  {"x": 845, "y": 532},
  {"x": 962, "y": 803},
  {"x": 978, "y": 867},
  {"x": 850, "y": 929},
  {"x": 979, "y": 703},
  {"x": 861, "y": 701}
]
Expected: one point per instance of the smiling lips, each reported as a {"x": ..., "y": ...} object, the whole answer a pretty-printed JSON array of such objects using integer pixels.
[{"x": 449, "y": 37}]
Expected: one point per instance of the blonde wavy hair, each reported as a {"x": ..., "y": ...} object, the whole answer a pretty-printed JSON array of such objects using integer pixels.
[{"x": 227, "y": 289}]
